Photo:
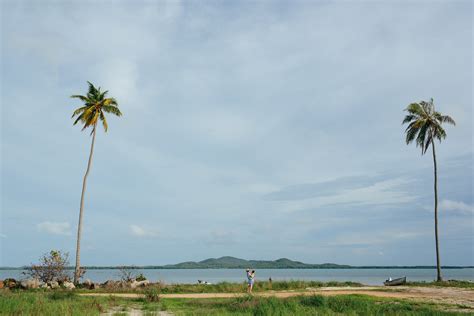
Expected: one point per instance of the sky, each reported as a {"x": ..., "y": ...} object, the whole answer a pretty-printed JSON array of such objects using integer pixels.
[{"x": 254, "y": 129}]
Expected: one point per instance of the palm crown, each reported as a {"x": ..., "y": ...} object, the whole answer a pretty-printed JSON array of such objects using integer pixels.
[
  {"x": 95, "y": 104},
  {"x": 425, "y": 124}
]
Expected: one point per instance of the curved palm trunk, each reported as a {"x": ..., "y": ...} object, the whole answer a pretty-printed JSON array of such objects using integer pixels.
[
  {"x": 438, "y": 266},
  {"x": 79, "y": 226}
]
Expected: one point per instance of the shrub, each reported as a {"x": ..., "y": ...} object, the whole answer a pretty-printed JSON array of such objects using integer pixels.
[
  {"x": 152, "y": 294},
  {"x": 52, "y": 267},
  {"x": 126, "y": 274},
  {"x": 140, "y": 277},
  {"x": 62, "y": 295},
  {"x": 342, "y": 304},
  {"x": 313, "y": 301}
]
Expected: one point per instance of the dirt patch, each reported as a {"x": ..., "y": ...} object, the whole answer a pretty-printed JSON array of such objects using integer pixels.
[
  {"x": 134, "y": 312},
  {"x": 453, "y": 296}
]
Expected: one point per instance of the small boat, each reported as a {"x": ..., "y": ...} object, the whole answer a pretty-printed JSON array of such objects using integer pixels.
[
  {"x": 399, "y": 281},
  {"x": 204, "y": 282}
]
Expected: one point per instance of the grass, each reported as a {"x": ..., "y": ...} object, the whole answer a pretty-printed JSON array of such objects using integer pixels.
[
  {"x": 62, "y": 302},
  {"x": 53, "y": 303},
  {"x": 449, "y": 283},
  {"x": 41, "y": 302},
  {"x": 227, "y": 287},
  {"x": 304, "y": 305}
]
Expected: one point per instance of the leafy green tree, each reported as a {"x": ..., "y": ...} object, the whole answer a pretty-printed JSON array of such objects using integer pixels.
[
  {"x": 93, "y": 110},
  {"x": 425, "y": 125}
]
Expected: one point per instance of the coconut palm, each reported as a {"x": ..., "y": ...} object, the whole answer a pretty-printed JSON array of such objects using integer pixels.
[
  {"x": 423, "y": 128},
  {"x": 95, "y": 105}
]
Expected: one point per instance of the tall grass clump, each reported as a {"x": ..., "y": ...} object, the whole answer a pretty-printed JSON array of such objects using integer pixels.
[
  {"x": 449, "y": 283},
  {"x": 152, "y": 294},
  {"x": 55, "y": 303},
  {"x": 321, "y": 305}
]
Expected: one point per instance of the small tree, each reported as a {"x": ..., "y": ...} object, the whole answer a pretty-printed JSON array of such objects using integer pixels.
[
  {"x": 126, "y": 273},
  {"x": 52, "y": 267}
]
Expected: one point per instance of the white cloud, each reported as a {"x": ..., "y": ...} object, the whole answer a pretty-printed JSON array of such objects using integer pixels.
[
  {"x": 262, "y": 188},
  {"x": 143, "y": 232},
  {"x": 221, "y": 126},
  {"x": 56, "y": 228},
  {"x": 387, "y": 192},
  {"x": 374, "y": 238},
  {"x": 456, "y": 206},
  {"x": 3, "y": 236},
  {"x": 120, "y": 77}
]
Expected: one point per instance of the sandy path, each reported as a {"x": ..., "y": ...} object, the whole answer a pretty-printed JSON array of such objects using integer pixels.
[{"x": 438, "y": 295}]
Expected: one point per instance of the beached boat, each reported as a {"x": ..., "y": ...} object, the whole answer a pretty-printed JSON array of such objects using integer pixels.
[{"x": 399, "y": 281}]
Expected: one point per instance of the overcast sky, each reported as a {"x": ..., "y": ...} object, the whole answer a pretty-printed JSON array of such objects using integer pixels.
[{"x": 253, "y": 129}]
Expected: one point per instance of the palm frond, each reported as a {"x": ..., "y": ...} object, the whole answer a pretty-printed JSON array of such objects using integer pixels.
[
  {"x": 79, "y": 118},
  {"x": 411, "y": 134},
  {"x": 92, "y": 90},
  {"x": 91, "y": 120},
  {"x": 103, "y": 94},
  {"x": 440, "y": 133},
  {"x": 427, "y": 108},
  {"x": 81, "y": 97},
  {"x": 445, "y": 119},
  {"x": 421, "y": 138},
  {"x": 415, "y": 109},
  {"x": 428, "y": 142},
  {"x": 104, "y": 121},
  {"x": 110, "y": 101},
  {"x": 112, "y": 109},
  {"x": 408, "y": 118},
  {"x": 79, "y": 110}
]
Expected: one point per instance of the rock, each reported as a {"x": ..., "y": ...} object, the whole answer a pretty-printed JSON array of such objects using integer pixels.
[
  {"x": 136, "y": 284},
  {"x": 53, "y": 284},
  {"x": 88, "y": 284},
  {"x": 30, "y": 284},
  {"x": 45, "y": 286},
  {"x": 110, "y": 284},
  {"x": 10, "y": 283},
  {"x": 68, "y": 285}
]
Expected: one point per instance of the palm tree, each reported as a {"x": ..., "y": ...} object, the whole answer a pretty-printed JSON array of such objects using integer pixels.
[
  {"x": 95, "y": 105},
  {"x": 424, "y": 127}
]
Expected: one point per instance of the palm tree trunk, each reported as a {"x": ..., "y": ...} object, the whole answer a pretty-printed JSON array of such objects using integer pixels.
[
  {"x": 77, "y": 271},
  {"x": 438, "y": 266}
]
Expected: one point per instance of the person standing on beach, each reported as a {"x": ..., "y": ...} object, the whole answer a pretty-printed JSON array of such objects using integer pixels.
[{"x": 250, "y": 280}]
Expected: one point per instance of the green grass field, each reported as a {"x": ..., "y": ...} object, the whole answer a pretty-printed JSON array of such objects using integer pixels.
[
  {"x": 69, "y": 303},
  {"x": 450, "y": 283}
]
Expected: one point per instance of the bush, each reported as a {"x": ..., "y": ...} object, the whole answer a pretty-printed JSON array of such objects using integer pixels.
[
  {"x": 52, "y": 267},
  {"x": 342, "y": 304},
  {"x": 62, "y": 295},
  {"x": 152, "y": 294},
  {"x": 140, "y": 277},
  {"x": 313, "y": 301}
]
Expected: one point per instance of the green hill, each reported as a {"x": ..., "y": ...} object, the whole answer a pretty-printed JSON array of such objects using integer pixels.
[{"x": 228, "y": 262}]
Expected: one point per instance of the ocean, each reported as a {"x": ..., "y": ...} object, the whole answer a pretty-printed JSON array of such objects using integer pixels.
[{"x": 365, "y": 276}]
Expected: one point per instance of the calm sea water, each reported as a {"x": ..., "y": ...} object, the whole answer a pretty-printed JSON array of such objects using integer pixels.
[{"x": 365, "y": 276}]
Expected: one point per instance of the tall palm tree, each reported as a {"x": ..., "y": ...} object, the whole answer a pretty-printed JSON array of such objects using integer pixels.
[
  {"x": 95, "y": 105},
  {"x": 424, "y": 127}
]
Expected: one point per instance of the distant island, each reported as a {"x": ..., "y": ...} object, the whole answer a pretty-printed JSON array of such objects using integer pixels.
[
  {"x": 228, "y": 262},
  {"x": 236, "y": 263}
]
